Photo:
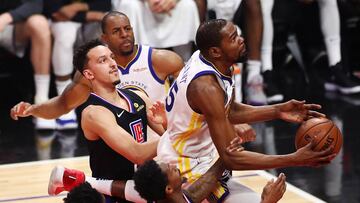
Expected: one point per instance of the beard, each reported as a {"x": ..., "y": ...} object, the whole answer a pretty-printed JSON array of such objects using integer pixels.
[
  {"x": 127, "y": 53},
  {"x": 116, "y": 82},
  {"x": 242, "y": 58}
]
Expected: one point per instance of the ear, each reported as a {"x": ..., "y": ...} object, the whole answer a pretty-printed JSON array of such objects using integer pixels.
[
  {"x": 215, "y": 52},
  {"x": 88, "y": 74},
  {"x": 104, "y": 38},
  {"x": 169, "y": 190}
]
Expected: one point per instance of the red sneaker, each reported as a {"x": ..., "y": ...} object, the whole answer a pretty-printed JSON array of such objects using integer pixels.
[{"x": 64, "y": 179}]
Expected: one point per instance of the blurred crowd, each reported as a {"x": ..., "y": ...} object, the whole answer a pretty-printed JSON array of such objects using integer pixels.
[{"x": 319, "y": 36}]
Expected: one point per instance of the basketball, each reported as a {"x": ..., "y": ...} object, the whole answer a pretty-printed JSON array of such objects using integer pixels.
[{"x": 323, "y": 131}]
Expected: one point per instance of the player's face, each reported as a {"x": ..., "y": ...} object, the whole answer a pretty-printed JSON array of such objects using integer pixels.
[
  {"x": 173, "y": 174},
  {"x": 232, "y": 44},
  {"x": 102, "y": 66},
  {"x": 119, "y": 35}
]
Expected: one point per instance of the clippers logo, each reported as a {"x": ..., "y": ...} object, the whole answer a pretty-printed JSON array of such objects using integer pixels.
[{"x": 136, "y": 128}]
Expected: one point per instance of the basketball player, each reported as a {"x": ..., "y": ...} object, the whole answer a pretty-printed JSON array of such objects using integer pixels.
[
  {"x": 140, "y": 67},
  {"x": 162, "y": 183},
  {"x": 113, "y": 120},
  {"x": 201, "y": 111}
]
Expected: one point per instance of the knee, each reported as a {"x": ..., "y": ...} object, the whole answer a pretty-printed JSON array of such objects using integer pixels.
[
  {"x": 327, "y": 3},
  {"x": 38, "y": 25}
]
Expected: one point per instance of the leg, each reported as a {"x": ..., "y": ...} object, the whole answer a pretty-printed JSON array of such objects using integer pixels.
[
  {"x": 330, "y": 26},
  {"x": 36, "y": 29},
  {"x": 271, "y": 90},
  {"x": 253, "y": 36},
  {"x": 64, "y": 38}
]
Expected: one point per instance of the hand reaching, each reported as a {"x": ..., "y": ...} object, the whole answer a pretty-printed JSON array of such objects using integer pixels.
[
  {"x": 297, "y": 111},
  {"x": 22, "y": 109},
  {"x": 274, "y": 190},
  {"x": 235, "y": 145},
  {"x": 157, "y": 114}
]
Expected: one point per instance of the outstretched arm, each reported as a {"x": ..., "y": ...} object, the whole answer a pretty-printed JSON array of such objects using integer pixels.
[
  {"x": 74, "y": 95},
  {"x": 291, "y": 111},
  {"x": 205, "y": 89}
]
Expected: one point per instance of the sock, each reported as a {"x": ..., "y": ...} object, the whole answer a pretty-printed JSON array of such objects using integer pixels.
[
  {"x": 330, "y": 26},
  {"x": 42, "y": 83},
  {"x": 253, "y": 68},
  {"x": 61, "y": 85},
  {"x": 101, "y": 185}
]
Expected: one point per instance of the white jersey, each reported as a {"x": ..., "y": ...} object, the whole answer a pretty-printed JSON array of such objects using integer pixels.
[
  {"x": 187, "y": 141},
  {"x": 139, "y": 74}
]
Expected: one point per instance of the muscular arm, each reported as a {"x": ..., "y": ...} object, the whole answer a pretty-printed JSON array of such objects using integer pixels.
[
  {"x": 205, "y": 96},
  {"x": 202, "y": 187},
  {"x": 74, "y": 95},
  {"x": 98, "y": 122},
  {"x": 242, "y": 113},
  {"x": 166, "y": 63}
]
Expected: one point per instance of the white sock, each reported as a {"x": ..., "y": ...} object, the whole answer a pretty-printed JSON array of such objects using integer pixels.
[
  {"x": 61, "y": 85},
  {"x": 253, "y": 68},
  {"x": 101, "y": 185},
  {"x": 42, "y": 83},
  {"x": 330, "y": 26},
  {"x": 268, "y": 35}
]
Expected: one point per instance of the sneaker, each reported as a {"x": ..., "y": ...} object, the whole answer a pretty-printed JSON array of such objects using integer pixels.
[
  {"x": 44, "y": 124},
  {"x": 340, "y": 81},
  {"x": 64, "y": 179},
  {"x": 67, "y": 121},
  {"x": 272, "y": 92},
  {"x": 254, "y": 91}
]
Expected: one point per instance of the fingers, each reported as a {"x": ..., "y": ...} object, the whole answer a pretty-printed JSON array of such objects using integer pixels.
[
  {"x": 312, "y": 106},
  {"x": 316, "y": 114}
]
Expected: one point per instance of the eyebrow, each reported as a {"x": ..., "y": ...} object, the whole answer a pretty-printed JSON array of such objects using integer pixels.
[
  {"x": 101, "y": 57},
  {"x": 233, "y": 34}
]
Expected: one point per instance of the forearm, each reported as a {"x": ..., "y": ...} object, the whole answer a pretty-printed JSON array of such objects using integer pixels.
[
  {"x": 202, "y": 187},
  {"x": 50, "y": 109},
  {"x": 242, "y": 113},
  {"x": 246, "y": 160},
  {"x": 146, "y": 151}
]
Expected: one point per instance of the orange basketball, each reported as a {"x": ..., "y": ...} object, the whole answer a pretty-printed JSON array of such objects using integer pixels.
[{"x": 323, "y": 130}]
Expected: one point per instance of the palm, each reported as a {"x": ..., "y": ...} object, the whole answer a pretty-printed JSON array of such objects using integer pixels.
[{"x": 157, "y": 113}]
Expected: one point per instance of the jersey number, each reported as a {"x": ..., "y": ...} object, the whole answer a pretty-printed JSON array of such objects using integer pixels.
[{"x": 170, "y": 99}]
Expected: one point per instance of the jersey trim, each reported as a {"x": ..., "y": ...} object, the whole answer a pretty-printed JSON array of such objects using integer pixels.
[
  {"x": 152, "y": 68},
  {"x": 222, "y": 76},
  {"x": 125, "y": 70},
  {"x": 122, "y": 94}
]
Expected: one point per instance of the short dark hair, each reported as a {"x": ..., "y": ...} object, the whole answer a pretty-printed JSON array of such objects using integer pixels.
[
  {"x": 80, "y": 57},
  {"x": 150, "y": 181},
  {"x": 107, "y": 16},
  {"x": 208, "y": 34},
  {"x": 84, "y": 193}
]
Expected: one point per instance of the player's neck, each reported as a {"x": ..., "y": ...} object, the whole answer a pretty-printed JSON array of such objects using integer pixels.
[
  {"x": 223, "y": 67},
  {"x": 123, "y": 60}
]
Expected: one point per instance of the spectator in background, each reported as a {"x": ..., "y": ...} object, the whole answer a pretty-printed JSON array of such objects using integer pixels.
[
  {"x": 21, "y": 23},
  {"x": 164, "y": 23},
  {"x": 339, "y": 80},
  {"x": 69, "y": 19}
]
